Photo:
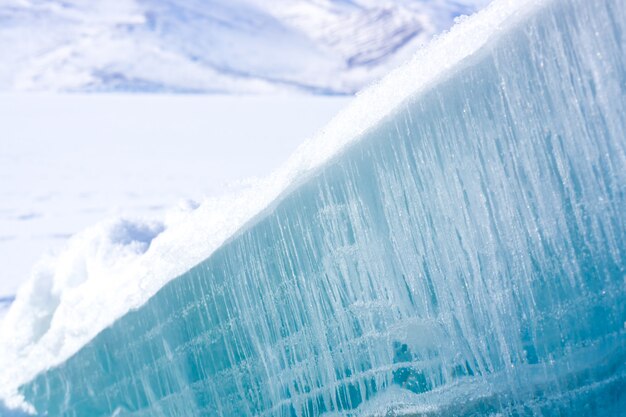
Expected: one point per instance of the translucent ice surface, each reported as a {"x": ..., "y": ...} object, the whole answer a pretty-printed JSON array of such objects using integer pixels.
[{"x": 461, "y": 251}]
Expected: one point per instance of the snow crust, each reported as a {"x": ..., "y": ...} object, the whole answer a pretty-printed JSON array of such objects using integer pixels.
[{"x": 116, "y": 266}]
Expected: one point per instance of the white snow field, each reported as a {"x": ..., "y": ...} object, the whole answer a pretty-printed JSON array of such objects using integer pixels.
[
  {"x": 452, "y": 243},
  {"x": 70, "y": 161},
  {"x": 233, "y": 46}
]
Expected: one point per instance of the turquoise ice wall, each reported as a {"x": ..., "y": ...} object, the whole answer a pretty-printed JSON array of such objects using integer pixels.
[{"x": 469, "y": 252}]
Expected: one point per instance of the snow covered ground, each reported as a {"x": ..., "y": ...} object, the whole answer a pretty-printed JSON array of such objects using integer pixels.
[
  {"x": 259, "y": 46},
  {"x": 69, "y": 161}
]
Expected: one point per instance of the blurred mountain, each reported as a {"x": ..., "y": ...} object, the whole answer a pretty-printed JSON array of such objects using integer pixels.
[{"x": 221, "y": 46}]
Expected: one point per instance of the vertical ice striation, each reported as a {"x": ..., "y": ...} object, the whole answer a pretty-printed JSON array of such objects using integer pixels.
[{"x": 467, "y": 256}]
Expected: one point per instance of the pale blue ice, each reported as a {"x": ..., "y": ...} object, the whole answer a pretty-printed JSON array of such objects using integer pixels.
[{"x": 466, "y": 256}]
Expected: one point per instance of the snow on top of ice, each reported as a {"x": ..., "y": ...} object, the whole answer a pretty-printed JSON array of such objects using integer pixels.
[{"x": 118, "y": 265}]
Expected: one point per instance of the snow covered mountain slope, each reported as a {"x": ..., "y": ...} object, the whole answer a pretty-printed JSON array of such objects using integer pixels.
[{"x": 233, "y": 46}]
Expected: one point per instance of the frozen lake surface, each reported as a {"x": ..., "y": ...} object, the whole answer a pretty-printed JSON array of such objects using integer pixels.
[{"x": 68, "y": 161}]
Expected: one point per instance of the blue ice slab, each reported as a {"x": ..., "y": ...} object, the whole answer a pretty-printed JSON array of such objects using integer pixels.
[{"x": 466, "y": 257}]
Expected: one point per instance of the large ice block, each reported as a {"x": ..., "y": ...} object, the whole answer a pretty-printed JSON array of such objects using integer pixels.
[{"x": 466, "y": 256}]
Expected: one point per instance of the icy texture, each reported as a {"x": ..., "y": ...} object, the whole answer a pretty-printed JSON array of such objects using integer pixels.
[
  {"x": 41, "y": 334},
  {"x": 466, "y": 256}
]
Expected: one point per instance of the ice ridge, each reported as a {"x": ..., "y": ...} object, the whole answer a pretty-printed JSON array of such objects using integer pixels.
[{"x": 453, "y": 244}]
